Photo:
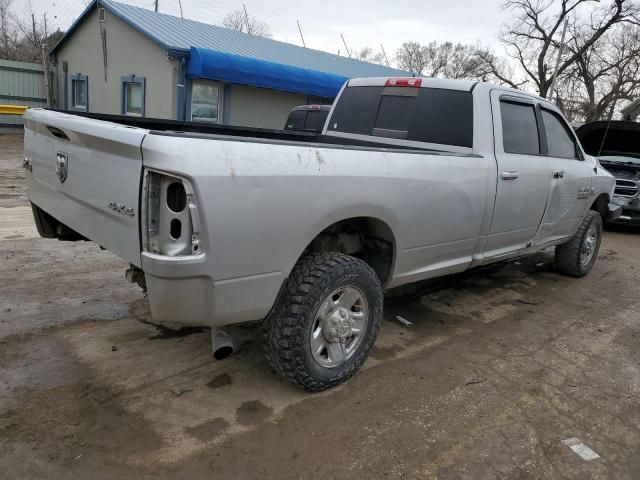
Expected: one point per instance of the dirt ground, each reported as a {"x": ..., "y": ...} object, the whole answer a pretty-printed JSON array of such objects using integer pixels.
[{"x": 499, "y": 367}]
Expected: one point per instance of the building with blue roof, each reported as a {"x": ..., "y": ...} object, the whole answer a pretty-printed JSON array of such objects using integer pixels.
[{"x": 121, "y": 59}]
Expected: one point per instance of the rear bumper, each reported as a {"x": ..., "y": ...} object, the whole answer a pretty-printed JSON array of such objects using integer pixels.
[{"x": 181, "y": 292}]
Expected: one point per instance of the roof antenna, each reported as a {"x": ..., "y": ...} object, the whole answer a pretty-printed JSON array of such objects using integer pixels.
[
  {"x": 180, "y": 3},
  {"x": 385, "y": 55},
  {"x": 345, "y": 45},
  {"x": 301, "y": 36},
  {"x": 246, "y": 19}
]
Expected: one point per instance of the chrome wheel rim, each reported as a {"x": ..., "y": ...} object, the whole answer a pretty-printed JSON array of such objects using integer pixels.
[
  {"x": 589, "y": 245},
  {"x": 338, "y": 326}
]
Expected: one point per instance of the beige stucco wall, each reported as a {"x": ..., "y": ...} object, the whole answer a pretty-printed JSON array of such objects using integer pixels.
[
  {"x": 128, "y": 53},
  {"x": 260, "y": 107}
]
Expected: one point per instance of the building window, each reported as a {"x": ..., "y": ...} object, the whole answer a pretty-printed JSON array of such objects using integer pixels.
[
  {"x": 133, "y": 95},
  {"x": 205, "y": 101},
  {"x": 79, "y": 100},
  {"x": 313, "y": 100}
]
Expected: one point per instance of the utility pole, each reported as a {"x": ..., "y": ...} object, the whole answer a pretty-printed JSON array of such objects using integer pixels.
[
  {"x": 345, "y": 45},
  {"x": 47, "y": 72},
  {"x": 33, "y": 29},
  {"x": 300, "y": 30},
  {"x": 155, "y": 6},
  {"x": 552, "y": 88},
  {"x": 180, "y": 3},
  {"x": 246, "y": 18}
]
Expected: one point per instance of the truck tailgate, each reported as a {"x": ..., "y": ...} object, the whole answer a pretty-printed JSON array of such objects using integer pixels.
[{"x": 87, "y": 175}]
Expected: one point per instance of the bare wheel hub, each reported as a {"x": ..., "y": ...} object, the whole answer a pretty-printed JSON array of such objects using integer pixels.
[
  {"x": 589, "y": 245},
  {"x": 339, "y": 326}
]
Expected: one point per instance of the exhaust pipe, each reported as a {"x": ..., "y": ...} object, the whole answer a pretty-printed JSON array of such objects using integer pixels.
[{"x": 221, "y": 343}]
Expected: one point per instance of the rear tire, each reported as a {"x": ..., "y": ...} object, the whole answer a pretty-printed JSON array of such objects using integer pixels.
[
  {"x": 326, "y": 321},
  {"x": 577, "y": 256}
]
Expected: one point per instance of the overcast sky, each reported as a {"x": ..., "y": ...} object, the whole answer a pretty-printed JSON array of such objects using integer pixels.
[{"x": 363, "y": 22}]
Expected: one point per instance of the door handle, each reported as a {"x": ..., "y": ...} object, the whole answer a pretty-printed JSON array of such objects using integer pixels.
[
  {"x": 559, "y": 174},
  {"x": 510, "y": 175}
]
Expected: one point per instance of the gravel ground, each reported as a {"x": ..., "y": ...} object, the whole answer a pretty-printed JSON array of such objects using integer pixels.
[{"x": 499, "y": 367}]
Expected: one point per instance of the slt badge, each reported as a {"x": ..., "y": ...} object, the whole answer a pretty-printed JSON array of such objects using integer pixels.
[{"x": 62, "y": 166}]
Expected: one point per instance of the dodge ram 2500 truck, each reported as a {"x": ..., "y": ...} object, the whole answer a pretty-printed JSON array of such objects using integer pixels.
[{"x": 411, "y": 178}]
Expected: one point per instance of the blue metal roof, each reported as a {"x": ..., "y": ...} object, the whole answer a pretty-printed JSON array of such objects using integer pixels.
[{"x": 176, "y": 34}]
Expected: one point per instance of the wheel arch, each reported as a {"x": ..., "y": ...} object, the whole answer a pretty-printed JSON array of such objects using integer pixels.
[
  {"x": 601, "y": 205},
  {"x": 368, "y": 237}
]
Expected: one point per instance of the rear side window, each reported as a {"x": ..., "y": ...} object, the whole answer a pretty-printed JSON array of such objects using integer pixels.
[
  {"x": 356, "y": 110},
  {"x": 429, "y": 115},
  {"x": 559, "y": 140},
  {"x": 315, "y": 120},
  {"x": 519, "y": 128},
  {"x": 443, "y": 116},
  {"x": 296, "y": 120}
]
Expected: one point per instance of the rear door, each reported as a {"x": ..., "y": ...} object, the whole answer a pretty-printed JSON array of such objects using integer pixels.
[
  {"x": 523, "y": 175},
  {"x": 86, "y": 174},
  {"x": 570, "y": 191}
]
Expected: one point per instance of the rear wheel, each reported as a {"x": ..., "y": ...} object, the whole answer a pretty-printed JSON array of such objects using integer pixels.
[
  {"x": 577, "y": 257},
  {"x": 326, "y": 322}
]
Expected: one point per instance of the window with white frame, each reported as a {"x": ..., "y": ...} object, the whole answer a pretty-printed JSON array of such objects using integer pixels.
[
  {"x": 79, "y": 99},
  {"x": 133, "y": 95},
  {"x": 205, "y": 101}
]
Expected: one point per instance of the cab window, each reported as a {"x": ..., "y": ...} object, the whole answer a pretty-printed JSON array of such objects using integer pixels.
[
  {"x": 560, "y": 141},
  {"x": 519, "y": 128},
  {"x": 296, "y": 120}
]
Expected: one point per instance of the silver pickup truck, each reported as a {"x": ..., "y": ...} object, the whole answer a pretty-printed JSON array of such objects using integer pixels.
[{"x": 411, "y": 178}]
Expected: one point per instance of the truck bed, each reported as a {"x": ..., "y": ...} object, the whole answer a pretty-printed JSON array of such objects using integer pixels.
[{"x": 175, "y": 127}]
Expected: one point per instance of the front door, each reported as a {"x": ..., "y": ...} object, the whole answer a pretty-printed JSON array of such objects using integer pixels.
[
  {"x": 523, "y": 175},
  {"x": 570, "y": 191}
]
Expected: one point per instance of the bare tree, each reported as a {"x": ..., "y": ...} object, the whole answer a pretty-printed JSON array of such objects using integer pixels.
[
  {"x": 367, "y": 54},
  {"x": 8, "y": 36},
  {"x": 412, "y": 57},
  {"x": 605, "y": 76},
  {"x": 21, "y": 38},
  {"x": 448, "y": 60},
  {"x": 531, "y": 38},
  {"x": 241, "y": 22},
  {"x": 498, "y": 70}
]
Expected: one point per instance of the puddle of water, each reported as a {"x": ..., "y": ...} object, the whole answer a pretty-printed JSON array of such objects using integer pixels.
[{"x": 253, "y": 412}]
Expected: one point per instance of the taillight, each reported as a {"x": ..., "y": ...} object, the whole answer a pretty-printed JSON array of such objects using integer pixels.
[
  {"x": 403, "y": 82},
  {"x": 170, "y": 223}
]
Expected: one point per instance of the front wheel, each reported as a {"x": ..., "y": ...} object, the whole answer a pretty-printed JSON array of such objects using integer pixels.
[
  {"x": 326, "y": 321},
  {"x": 577, "y": 257}
]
